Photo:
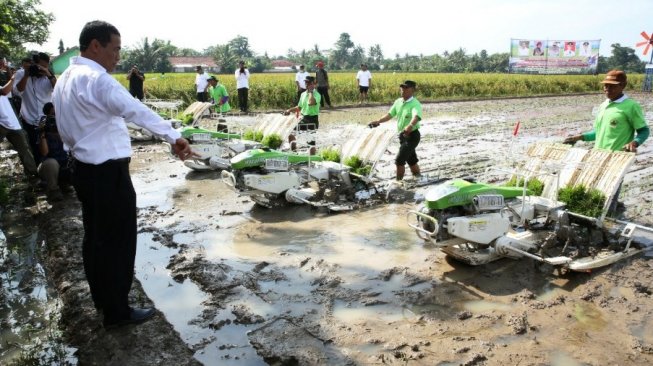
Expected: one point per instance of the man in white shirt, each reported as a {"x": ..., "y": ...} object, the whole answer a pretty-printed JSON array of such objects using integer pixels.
[
  {"x": 242, "y": 85},
  {"x": 35, "y": 89},
  {"x": 92, "y": 108},
  {"x": 300, "y": 81},
  {"x": 11, "y": 129},
  {"x": 201, "y": 84},
  {"x": 364, "y": 77}
]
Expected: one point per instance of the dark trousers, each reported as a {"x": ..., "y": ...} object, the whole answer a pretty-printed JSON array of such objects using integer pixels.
[
  {"x": 407, "y": 145},
  {"x": 32, "y": 139},
  {"x": 109, "y": 247},
  {"x": 242, "y": 99},
  {"x": 18, "y": 139},
  {"x": 202, "y": 97},
  {"x": 324, "y": 92}
]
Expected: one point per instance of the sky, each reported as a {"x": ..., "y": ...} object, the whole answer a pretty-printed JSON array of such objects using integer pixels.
[{"x": 400, "y": 27}]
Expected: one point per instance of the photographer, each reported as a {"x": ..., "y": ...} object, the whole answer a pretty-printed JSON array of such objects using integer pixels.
[
  {"x": 136, "y": 79},
  {"x": 54, "y": 159},
  {"x": 36, "y": 89}
]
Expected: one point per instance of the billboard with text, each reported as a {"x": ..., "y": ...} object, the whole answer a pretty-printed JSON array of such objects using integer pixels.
[{"x": 534, "y": 56}]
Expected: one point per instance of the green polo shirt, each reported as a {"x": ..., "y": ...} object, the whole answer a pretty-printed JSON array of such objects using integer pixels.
[
  {"x": 404, "y": 111},
  {"x": 615, "y": 124},
  {"x": 217, "y": 93},
  {"x": 309, "y": 110}
]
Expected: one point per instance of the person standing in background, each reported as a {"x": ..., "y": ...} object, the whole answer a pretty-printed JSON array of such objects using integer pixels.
[
  {"x": 11, "y": 129},
  {"x": 35, "y": 89},
  {"x": 300, "y": 81},
  {"x": 364, "y": 78},
  {"x": 136, "y": 79},
  {"x": 242, "y": 84},
  {"x": 201, "y": 84},
  {"x": 322, "y": 78}
]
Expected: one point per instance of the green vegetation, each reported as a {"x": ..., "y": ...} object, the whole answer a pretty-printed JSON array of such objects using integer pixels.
[
  {"x": 357, "y": 165},
  {"x": 534, "y": 185},
  {"x": 187, "y": 119},
  {"x": 253, "y": 135},
  {"x": 330, "y": 154},
  {"x": 582, "y": 201},
  {"x": 278, "y": 91},
  {"x": 273, "y": 141}
]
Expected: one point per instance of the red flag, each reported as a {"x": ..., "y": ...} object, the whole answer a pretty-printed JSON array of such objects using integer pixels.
[{"x": 516, "y": 130}]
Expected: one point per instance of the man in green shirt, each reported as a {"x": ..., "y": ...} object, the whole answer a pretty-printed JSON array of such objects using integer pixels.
[
  {"x": 619, "y": 123},
  {"x": 219, "y": 94},
  {"x": 309, "y": 107},
  {"x": 408, "y": 111}
]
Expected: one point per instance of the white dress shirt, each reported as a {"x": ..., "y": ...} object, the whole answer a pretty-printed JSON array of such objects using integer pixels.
[
  {"x": 8, "y": 118},
  {"x": 92, "y": 108},
  {"x": 300, "y": 77},
  {"x": 201, "y": 82},
  {"x": 38, "y": 91},
  {"x": 242, "y": 80}
]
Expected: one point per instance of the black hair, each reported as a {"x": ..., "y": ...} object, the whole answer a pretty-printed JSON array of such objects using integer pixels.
[
  {"x": 47, "y": 107},
  {"x": 42, "y": 57},
  {"x": 26, "y": 59},
  {"x": 98, "y": 30}
]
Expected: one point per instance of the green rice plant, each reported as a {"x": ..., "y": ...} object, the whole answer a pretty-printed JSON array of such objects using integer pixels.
[
  {"x": 357, "y": 165},
  {"x": 330, "y": 154},
  {"x": 274, "y": 91},
  {"x": 534, "y": 185},
  {"x": 273, "y": 141},
  {"x": 580, "y": 200},
  {"x": 252, "y": 135},
  {"x": 187, "y": 119}
]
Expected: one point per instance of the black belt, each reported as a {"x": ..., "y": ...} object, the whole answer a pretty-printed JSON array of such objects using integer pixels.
[{"x": 108, "y": 162}]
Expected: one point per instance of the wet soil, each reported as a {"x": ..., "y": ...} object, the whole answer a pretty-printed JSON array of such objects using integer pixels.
[{"x": 238, "y": 284}]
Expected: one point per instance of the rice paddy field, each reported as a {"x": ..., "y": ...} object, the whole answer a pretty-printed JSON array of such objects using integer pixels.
[{"x": 278, "y": 91}]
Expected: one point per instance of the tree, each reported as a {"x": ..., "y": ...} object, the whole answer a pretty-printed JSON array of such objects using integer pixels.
[
  {"x": 21, "y": 22},
  {"x": 240, "y": 47},
  {"x": 624, "y": 58},
  {"x": 148, "y": 57},
  {"x": 226, "y": 58},
  {"x": 61, "y": 48},
  {"x": 340, "y": 57}
]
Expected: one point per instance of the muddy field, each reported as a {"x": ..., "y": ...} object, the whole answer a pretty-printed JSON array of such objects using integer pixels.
[{"x": 236, "y": 284}]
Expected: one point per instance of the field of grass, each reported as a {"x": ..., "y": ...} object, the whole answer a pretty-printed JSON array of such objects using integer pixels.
[{"x": 277, "y": 91}]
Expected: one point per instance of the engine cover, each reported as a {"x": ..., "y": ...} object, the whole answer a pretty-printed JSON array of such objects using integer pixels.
[
  {"x": 276, "y": 182},
  {"x": 482, "y": 229}
]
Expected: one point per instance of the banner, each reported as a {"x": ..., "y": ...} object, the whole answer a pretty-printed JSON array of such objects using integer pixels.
[{"x": 532, "y": 56}]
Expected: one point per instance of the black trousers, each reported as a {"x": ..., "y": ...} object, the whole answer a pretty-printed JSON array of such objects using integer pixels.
[
  {"x": 32, "y": 139},
  {"x": 202, "y": 97},
  {"x": 324, "y": 92},
  {"x": 109, "y": 247},
  {"x": 242, "y": 99}
]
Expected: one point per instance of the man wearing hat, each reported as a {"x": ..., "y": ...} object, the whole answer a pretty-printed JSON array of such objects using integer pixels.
[
  {"x": 309, "y": 107},
  {"x": 408, "y": 111},
  {"x": 201, "y": 83},
  {"x": 322, "y": 78},
  {"x": 619, "y": 123},
  {"x": 219, "y": 94}
]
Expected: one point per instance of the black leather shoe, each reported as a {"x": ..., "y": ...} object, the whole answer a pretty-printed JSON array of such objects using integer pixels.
[{"x": 136, "y": 316}]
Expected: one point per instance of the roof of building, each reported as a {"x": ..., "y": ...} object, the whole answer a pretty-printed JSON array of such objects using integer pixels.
[{"x": 189, "y": 61}]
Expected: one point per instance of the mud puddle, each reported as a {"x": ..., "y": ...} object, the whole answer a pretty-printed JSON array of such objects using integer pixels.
[{"x": 29, "y": 308}]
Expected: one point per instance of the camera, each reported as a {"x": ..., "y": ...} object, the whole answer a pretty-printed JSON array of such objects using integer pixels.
[
  {"x": 48, "y": 125},
  {"x": 34, "y": 69}
]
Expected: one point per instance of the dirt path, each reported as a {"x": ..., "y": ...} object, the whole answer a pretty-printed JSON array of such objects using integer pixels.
[{"x": 236, "y": 284}]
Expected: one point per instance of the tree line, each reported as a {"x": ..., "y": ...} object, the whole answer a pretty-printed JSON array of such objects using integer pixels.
[{"x": 22, "y": 22}]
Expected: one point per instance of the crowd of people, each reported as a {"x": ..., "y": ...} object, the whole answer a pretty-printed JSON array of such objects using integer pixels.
[{"x": 73, "y": 133}]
